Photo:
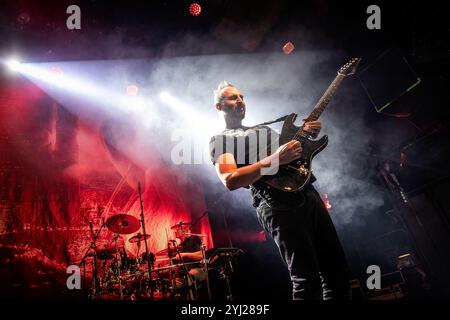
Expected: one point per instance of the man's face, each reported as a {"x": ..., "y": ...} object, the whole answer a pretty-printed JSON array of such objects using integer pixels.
[
  {"x": 180, "y": 233},
  {"x": 232, "y": 103}
]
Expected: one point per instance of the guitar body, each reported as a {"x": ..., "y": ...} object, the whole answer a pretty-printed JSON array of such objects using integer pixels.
[{"x": 295, "y": 175}]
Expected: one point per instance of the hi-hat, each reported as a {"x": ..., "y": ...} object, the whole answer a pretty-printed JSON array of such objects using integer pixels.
[
  {"x": 122, "y": 223},
  {"x": 138, "y": 238}
]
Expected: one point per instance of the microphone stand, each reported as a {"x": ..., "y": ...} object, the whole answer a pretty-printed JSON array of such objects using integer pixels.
[
  {"x": 95, "y": 281},
  {"x": 83, "y": 261},
  {"x": 189, "y": 280},
  {"x": 205, "y": 265},
  {"x": 149, "y": 266}
]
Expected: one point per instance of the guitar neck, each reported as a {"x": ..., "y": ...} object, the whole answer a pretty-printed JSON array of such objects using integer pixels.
[
  {"x": 321, "y": 104},
  {"x": 326, "y": 98}
]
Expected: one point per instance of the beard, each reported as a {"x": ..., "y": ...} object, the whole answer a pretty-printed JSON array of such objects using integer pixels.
[{"x": 239, "y": 111}]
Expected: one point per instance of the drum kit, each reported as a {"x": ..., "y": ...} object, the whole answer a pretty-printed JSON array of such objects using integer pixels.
[{"x": 147, "y": 275}]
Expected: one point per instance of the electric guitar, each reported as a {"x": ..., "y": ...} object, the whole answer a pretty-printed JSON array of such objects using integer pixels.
[{"x": 296, "y": 175}]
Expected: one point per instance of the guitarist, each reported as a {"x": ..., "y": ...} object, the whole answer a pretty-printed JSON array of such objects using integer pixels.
[{"x": 298, "y": 221}]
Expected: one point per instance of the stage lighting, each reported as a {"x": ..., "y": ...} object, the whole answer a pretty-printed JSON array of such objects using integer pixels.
[
  {"x": 56, "y": 71},
  {"x": 195, "y": 9},
  {"x": 288, "y": 47},
  {"x": 327, "y": 201},
  {"x": 13, "y": 64},
  {"x": 195, "y": 120},
  {"x": 164, "y": 95},
  {"x": 23, "y": 18},
  {"x": 132, "y": 90}
]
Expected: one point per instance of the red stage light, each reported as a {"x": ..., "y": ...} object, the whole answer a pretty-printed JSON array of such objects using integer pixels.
[
  {"x": 288, "y": 47},
  {"x": 327, "y": 201},
  {"x": 132, "y": 90},
  {"x": 23, "y": 18},
  {"x": 261, "y": 236},
  {"x": 195, "y": 9}
]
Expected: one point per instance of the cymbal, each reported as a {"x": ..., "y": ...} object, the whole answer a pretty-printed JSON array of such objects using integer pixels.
[
  {"x": 180, "y": 225},
  {"x": 122, "y": 223},
  {"x": 138, "y": 238}
]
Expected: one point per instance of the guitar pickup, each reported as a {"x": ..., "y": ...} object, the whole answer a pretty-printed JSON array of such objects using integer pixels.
[{"x": 303, "y": 170}]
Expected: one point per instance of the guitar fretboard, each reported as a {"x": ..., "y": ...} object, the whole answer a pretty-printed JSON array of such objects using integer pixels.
[
  {"x": 322, "y": 103},
  {"x": 326, "y": 98}
]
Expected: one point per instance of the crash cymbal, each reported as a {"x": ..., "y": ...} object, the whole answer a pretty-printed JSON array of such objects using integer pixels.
[
  {"x": 180, "y": 225},
  {"x": 138, "y": 238},
  {"x": 122, "y": 223}
]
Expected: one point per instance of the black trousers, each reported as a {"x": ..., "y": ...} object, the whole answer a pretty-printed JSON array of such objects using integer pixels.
[{"x": 309, "y": 245}]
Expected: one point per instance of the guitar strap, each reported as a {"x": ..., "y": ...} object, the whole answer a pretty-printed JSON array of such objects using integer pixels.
[
  {"x": 270, "y": 122},
  {"x": 258, "y": 192}
]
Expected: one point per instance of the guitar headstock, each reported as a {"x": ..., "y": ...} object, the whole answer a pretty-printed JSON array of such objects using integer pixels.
[{"x": 350, "y": 67}]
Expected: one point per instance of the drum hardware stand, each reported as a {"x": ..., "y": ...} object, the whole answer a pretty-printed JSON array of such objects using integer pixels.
[
  {"x": 205, "y": 263},
  {"x": 149, "y": 266},
  {"x": 187, "y": 278},
  {"x": 205, "y": 266},
  {"x": 95, "y": 280},
  {"x": 223, "y": 272},
  {"x": 83, "y": 261},
  {"x": 226, "y": 279},
  {"x": 118, "y": 266},
  {"x": 171, "y": 273}
]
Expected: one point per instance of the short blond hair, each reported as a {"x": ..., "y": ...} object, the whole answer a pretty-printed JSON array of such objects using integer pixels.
[{"x": 218, "y": 92}]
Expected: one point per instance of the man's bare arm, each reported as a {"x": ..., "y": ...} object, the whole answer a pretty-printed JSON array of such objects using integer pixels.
[{"x": 233, "y": 177}]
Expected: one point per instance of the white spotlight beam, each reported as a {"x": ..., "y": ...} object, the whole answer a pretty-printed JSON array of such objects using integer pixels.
[
  {"x": 198, "y": 121},
  {"x": 83, "y": 88},
  {"x": 13, "y": 64}
]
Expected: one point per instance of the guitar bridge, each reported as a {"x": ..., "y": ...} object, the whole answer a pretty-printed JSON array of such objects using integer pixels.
[{"x": 303, "y": 170}]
